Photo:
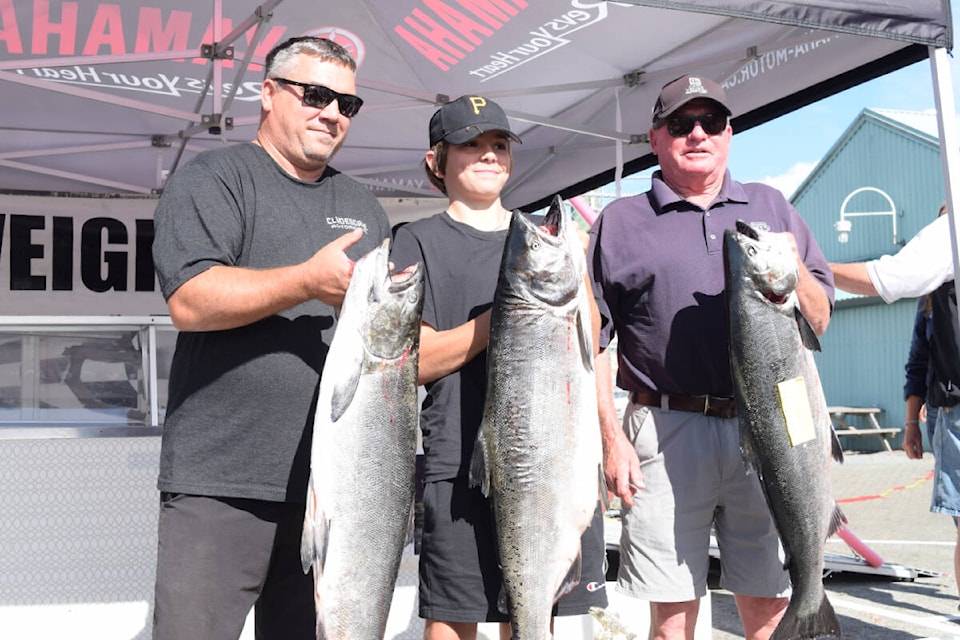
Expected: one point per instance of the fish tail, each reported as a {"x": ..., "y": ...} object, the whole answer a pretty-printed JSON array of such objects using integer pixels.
[{"x": 820, "y": 625}]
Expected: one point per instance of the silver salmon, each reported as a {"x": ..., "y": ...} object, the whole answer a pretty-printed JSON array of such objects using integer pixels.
[
  {"x": 363, "y": 453},
  {"x": 538, "y": 453},
  {"x": 785, "y": 429}
]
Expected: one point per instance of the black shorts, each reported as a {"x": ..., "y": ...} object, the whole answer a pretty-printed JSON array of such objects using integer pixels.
[{"x": 459, "y": 573}]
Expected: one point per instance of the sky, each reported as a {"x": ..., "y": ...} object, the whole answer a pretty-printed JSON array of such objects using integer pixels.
[{"x": 783, "y": 151}]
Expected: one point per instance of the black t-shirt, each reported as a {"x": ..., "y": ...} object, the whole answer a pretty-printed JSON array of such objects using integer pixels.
[
  {"x": 461, "y": 265},
  {"x": 241, "y": 401}
]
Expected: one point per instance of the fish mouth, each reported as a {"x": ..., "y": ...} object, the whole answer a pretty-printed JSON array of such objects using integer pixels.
[
  {"x": 553, "y": 222},
  {"x": 774, "y": 298},
  {"x": 747, "y": 230},
  {"x": 402, "y": 280}
]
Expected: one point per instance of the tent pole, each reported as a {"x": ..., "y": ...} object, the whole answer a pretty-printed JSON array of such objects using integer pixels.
[{"x": 949, "y": 149}]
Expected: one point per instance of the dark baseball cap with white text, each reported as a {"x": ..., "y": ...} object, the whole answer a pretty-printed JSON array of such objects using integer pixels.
[{"x": 684, "y": 89}]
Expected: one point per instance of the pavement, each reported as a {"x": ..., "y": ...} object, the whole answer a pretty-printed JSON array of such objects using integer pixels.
[
  {"x": 886, "y": 498},
  {"x": 80, "y": 574}
]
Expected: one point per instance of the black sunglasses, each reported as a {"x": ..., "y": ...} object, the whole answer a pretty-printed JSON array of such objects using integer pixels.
[
  {"x": 679, "y": 126},
  {"x": 319, "y": 96}
]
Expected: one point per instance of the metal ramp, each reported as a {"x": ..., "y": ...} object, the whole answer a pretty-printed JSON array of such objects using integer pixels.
[{"x": 834, "y": 563}]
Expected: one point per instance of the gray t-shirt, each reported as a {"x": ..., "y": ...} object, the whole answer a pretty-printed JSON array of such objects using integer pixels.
[{"x": 241, "y": 402}]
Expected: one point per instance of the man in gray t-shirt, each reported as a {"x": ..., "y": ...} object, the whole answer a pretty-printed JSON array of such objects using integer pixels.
[{"x": 254, "y": 248}]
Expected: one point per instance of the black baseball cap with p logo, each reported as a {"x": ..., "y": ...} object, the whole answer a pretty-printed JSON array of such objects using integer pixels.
[{"x": 465, "y": 118}]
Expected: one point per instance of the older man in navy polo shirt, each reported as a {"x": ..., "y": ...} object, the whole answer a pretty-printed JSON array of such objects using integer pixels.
[{"x": 656, "y": 262}]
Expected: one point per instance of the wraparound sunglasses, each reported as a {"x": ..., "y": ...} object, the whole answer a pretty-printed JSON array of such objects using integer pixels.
[
  {"x": 319, "y": 96},
  {"x": 679, "y": 126}
]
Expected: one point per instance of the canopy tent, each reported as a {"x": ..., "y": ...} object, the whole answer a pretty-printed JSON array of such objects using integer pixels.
[{"x": 111, "y": 97}]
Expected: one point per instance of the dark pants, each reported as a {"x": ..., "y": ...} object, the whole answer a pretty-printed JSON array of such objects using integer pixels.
[{"x": 218, "y": 557}]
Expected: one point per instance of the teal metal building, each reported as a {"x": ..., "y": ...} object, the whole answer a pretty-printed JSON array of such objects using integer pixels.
[{"x": 879, "y": 184}]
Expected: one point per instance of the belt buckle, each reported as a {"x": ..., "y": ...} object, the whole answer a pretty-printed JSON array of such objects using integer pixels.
[{"x": 706, "y": 405}]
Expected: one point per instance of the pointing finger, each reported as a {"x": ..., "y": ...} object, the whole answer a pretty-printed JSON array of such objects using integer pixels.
[{"x": 347, "y": 240}]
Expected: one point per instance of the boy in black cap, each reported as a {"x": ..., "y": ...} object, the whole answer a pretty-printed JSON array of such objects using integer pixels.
[{"x": 459, "y": 249}]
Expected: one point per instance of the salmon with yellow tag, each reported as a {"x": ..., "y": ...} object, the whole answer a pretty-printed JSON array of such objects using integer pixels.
[{"x": 785, "y": 430}]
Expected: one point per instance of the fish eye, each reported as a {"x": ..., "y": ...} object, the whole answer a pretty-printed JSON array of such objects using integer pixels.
[
  {"x": 751, "y": 251},
  {"x": 535, "y": 245},
  {"x": 413, "y": 297}
]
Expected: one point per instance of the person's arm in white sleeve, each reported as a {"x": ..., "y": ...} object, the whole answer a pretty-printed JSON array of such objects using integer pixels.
[{"x": 920, "y": 267}]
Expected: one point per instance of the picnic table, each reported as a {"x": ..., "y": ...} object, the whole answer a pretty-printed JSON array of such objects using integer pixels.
[{"x": 840, "y": 416}]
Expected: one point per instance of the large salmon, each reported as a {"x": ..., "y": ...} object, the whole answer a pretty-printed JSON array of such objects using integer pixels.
[
  {"x": 538, "y": 452},
  {"x": 364, "y": 448},
  {"x": 785, "y": 429}
]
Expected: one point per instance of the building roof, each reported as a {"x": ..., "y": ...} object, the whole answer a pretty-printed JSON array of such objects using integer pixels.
[{"x": 919, "y": 124}]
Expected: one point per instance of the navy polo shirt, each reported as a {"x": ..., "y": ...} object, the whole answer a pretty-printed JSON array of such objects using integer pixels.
[{"x": 656, "y": 262}]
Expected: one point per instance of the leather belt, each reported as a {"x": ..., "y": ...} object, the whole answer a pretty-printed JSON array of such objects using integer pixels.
[{"x": 707, "y": 405}]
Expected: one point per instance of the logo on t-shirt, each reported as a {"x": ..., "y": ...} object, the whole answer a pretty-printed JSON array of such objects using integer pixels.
[{"x": 343, "y": 222}]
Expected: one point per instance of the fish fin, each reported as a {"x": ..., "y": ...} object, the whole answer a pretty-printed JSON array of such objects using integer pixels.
[
  {"x": 584, "y": 337},
  {"x": 822, "y": 624},
  {"x": 749, "y": 456},
  {"x": 306, "y": 546},
  {"x": 807, "y": 335},
  {"x": 321, "y": 540},
  {"x": 602, "y": 487},
  {"x": 308, "y": 537},
  {"x": 503, "y": 606},
  {"x": 346, "y": 387},
  {"x": 316, "y": 534},
  {"x": 572, "y": 579},
  {"x": 479, "y": 473},
  {"x": 835, "y": 449},
  {"x": 410, "y": 538},
  {"x": 837, "y": 520}
]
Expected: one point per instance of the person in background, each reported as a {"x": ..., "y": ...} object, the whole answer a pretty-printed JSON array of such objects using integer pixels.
[
  {"x": 254, "y": 248},
  {"x": 918, "y": 380},
  {"x": 925, "y": 266},
  {"x": 459, "y": 249},
  {"x": 919, "y": 376},
  {"x": 656, "y": 261}
]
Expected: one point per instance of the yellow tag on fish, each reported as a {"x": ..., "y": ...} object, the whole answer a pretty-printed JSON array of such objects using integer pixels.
[{"x": 796, "y": 411}]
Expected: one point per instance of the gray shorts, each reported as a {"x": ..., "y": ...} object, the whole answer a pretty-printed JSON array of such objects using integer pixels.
[
  {"x": 218, "y": 557},
  {"x": 695, "y": 480}
]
